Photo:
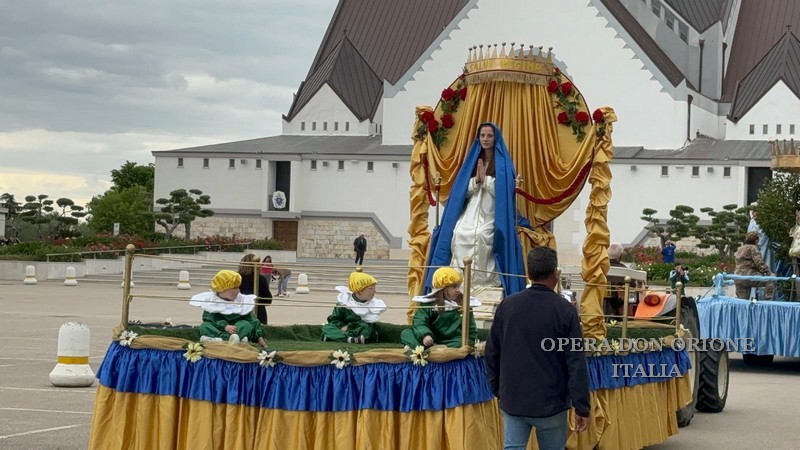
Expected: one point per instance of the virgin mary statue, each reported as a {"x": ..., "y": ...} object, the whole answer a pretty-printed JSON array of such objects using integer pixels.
[{"x": 479, "y": 219}]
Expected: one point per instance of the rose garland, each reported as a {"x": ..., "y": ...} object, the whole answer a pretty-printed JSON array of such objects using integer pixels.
[
  {"x": 569, "y": 100},
  {"x": 451, "y": 99}
]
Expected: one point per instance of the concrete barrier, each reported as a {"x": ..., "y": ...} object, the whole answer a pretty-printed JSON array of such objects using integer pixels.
[
  {"x": 302, "y": 284},
  {"x": 70, "y": 280},
  {"x": 183, "y": 280},
  {"x": 30, "y": 275},
  {"x": 72, "y": 369}
]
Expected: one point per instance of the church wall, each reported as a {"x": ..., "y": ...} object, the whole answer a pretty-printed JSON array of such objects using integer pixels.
[
  {"x": 645, "y": 187},
  {"x": 604, "y": 71},
  {"x": 238, "y": 188},
  {"x": 326, "y": 107},
  {"x": 333, "y": 238},
  {"x": 779, "y": 106},
  {"x": 358, "y": 191}
]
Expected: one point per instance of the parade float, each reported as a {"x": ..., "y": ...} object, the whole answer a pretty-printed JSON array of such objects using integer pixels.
[
  {"x": 759, "y": 328},
  {"x": 557, "y": 145},
  {"x": 168, "y": 390}
]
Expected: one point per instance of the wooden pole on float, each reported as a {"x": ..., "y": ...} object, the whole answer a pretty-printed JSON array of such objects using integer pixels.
[
  {"x": 126, "y": 284},
  {"x": 465, "y": 309}
]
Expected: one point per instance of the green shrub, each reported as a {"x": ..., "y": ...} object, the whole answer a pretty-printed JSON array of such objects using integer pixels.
[{"x": 266, "y": 244}]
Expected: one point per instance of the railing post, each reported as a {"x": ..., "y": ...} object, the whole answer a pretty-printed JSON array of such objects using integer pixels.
[
  {"x": 466, "y": 295},
  {"x": 126, "y": 284},
  {"x": 678, "y": 297},
  {"x": 625, "y": 302}
]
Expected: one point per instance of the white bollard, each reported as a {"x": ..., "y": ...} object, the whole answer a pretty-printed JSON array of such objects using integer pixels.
[
  {"x": 183, "y": 280},
  {"x": 73, "y": 368},
  {"x": 70, "y": 279},
  {"x": 30, "y": 275},
  {"x": 302, "y": 284}
]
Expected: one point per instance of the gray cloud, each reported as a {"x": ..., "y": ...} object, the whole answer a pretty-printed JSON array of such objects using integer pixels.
[{"x": 87, "y": 84}]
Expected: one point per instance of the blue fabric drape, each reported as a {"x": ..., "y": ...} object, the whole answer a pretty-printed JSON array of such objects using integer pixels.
[
  {"x": 773, "y": 326},
  {"x": 602, "y": 375},
  {"x": 506, "y": 248},
  {"x": 383, "y": 386}
]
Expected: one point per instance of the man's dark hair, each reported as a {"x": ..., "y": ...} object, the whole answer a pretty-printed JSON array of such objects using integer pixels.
[{"x": 542, "y": 262}]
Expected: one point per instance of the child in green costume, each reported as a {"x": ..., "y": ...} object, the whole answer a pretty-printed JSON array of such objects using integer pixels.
[
  {"x": 438, "y": 316},
  {"x": 357, "y": 311},
  {"x": 228, "y": 314}
]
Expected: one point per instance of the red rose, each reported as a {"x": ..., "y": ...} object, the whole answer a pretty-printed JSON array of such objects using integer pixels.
[
  {"x": 426, "y": 116},
  {"x": 447, "y": 121},
  {"x": 552, "y": 86},
  {"x": 433, "y": 126},
  {"x": 582, "y": 117},
  {"x": 563, "y": 118},
  {"x": 566, "y": 88},
  {"x": 598, "y": 116},
  {"x": 448, "y": 94},
  {"x": 462, "y": 94}
]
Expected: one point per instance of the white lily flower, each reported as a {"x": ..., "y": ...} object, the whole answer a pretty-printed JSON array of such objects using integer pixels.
[
  {"x": 194, "y": 352},
  {"x": 340, "y": 359},
  {"x": 419, "y": 356},
  {"x": 127, "y": 337},
  {"x": 267, "y": 359},
  {"x": 478, "y": 349}
]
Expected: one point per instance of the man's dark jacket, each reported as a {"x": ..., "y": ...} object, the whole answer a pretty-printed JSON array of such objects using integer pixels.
[
  {"x": 360, "y": 245},
  {"x": 528, "y": 380}
]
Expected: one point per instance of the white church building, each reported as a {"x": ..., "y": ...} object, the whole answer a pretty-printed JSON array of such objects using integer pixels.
[{"x": 700, "y": 88}]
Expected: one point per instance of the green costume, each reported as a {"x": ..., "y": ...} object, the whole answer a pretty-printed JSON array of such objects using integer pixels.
[
  {"x": 247, "y": 325},
  {"x": 358, "y": 316},
  {"x": 444, "y": 328}
]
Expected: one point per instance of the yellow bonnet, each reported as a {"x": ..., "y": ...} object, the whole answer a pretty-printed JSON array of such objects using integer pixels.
[
  {"x": 359, "y": 281},
  {"x": 446, "y": 276},
  {"x": 225, "y": 279}
]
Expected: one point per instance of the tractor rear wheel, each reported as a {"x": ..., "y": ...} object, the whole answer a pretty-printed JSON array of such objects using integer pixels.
[
  {"x": 713, "y": 391},
  {"x": 689, "y": 319}
]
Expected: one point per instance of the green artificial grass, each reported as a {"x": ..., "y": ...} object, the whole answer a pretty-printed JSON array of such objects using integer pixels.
[{"x": 293, "y": 337}]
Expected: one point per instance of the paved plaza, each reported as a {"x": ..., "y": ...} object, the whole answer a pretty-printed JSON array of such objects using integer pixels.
[{"x": 761, "y": 409}]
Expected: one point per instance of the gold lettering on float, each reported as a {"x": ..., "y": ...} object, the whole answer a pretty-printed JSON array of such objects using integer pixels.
[{"x": 534, "y": 67}]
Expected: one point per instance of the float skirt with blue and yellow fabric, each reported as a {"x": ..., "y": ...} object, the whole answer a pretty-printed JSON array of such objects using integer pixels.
[{"x": 154, "y": 398}]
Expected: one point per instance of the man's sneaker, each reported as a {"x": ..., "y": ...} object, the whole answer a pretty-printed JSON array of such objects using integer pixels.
[
  {"x": 245, "y": 340},
  {"x": 210, "y": 339},
  {"x": 324, "y": 338},
  {"x": 349, "y": 340},
  {"x": 360, "y": 339},
  {"x": 234, "y": 339}
]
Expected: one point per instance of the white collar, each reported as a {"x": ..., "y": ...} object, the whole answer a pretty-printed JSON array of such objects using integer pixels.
[
  {"x": 368, "y": 311},
  {"x": 449, "y": 305},
  {"x": 211, "y": 302}
]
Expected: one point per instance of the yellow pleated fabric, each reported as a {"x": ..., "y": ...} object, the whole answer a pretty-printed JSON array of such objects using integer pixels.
[
  {"x": 621, "y": 419},
  {"x": 595, "y": 264},
  {"x": 139, "y": 421}
]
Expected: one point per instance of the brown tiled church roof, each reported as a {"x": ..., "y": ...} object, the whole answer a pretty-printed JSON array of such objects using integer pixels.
[
  {"x": 387, "y": 36},
  {"x": 760, "y": 25}
]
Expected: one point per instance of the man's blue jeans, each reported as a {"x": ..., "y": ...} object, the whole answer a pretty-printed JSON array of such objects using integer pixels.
[{"x": 551, "y": 432}]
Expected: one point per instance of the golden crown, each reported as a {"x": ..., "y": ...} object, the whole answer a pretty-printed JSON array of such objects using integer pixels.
[
  {"x": 785, "y": 156},
  {"x": 531, "y": 66}
]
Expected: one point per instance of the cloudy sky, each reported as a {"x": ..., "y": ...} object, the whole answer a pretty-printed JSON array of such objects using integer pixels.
[{"x": 87, "y": 84}]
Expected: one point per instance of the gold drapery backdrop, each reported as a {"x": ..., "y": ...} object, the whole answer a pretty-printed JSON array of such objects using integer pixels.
[{"x": 546, "y": 156}]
